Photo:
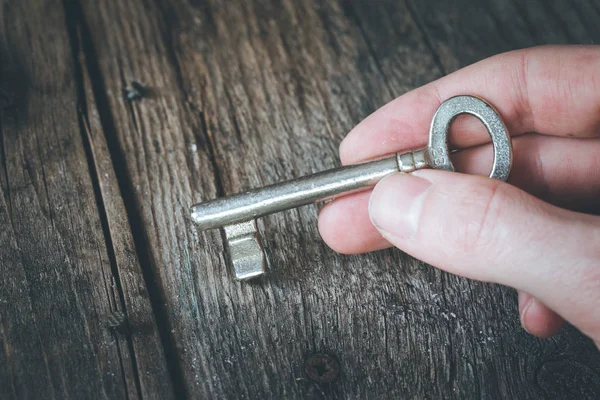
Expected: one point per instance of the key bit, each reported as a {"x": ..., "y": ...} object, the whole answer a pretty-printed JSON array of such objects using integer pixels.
[
  {"x": 237, "y": 213},
  {"x": 245, "y": 250}
]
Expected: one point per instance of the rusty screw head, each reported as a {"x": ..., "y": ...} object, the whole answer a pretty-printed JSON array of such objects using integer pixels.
[
  {"x": 117, "y": 320},
  {"x": 322, "y": 368}
]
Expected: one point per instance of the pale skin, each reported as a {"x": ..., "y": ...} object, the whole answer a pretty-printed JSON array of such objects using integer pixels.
[{"x": 535, "y": 233}]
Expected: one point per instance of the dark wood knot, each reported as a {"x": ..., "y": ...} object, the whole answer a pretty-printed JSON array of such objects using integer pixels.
[
  {"x": 322, "y": 368},
  {"x": 117, "y": 320}
]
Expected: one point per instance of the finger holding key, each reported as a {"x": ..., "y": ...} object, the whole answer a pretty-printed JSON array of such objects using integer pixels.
[
  {"x": 491, "y": 231},
  {"x": 562, "y": 171},
  {"x": 549, "y": 90}
]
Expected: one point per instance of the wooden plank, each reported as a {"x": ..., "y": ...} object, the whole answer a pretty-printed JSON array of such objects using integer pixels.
[
  {"x": 59, "y": 278},
  {"x": 166, "y": 161},
  {"x": 249, "y": 93},
  {"x": 155, "y": 381}
]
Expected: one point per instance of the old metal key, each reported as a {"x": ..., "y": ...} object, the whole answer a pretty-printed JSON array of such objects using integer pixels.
[{"x": 237, "y": 213}]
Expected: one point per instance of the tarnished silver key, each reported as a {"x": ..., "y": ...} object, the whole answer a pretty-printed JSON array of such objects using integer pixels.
[{"x": 237, "y": 213}]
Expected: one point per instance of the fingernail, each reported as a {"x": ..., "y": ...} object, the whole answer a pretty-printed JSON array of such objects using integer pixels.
[
  {"x": 527, "y": 301},
  {"x": 395, "y": 204},
  {"x": 523, "y": 299}
]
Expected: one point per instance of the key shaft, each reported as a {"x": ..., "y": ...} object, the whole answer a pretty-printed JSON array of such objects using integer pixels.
[{"x": 302, "y": 191}]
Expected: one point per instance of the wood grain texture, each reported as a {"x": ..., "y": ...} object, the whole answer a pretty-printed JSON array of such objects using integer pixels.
[
  {"x": 143, "y": 331},
  {"x": 250, "y": 93},
  {"x": 60, "y": 277},
  {"x": 242, "y": 94}
]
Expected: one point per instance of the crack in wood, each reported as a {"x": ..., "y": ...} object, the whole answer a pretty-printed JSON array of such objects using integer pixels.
[
  {"x": 74, "y": 30},
  {"x": 87, "y": 73},
  {"x": 6, "y": 177}
]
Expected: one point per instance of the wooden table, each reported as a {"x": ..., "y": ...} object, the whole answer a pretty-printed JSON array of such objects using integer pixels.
[{"x": 97, "y": 183}]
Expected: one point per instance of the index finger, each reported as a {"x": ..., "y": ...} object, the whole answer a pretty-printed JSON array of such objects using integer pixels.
[{"x": 553, "y": 90}]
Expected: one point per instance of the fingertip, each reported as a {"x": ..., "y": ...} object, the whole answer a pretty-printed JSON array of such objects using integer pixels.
[
  {"x": 352, "y": 147},
  {"x": 329, "y": 229},
  {"x": 539, "y": 320},
  {"x": 345, "y": 227},
  {"x": 343, "y": 148},
  {"x": 395, "y": 126}
]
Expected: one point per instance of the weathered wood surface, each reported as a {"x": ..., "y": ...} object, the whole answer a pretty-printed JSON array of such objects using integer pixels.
[
  {"x": 67, "y": 259},
  {"x": 97, "y": 188}
]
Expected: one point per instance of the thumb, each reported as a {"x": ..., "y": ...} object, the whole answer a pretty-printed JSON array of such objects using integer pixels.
[{"x": 488, "y": 230}]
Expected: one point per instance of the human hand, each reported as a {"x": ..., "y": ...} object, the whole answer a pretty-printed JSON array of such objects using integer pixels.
[{"x": 531, "y": 233}]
